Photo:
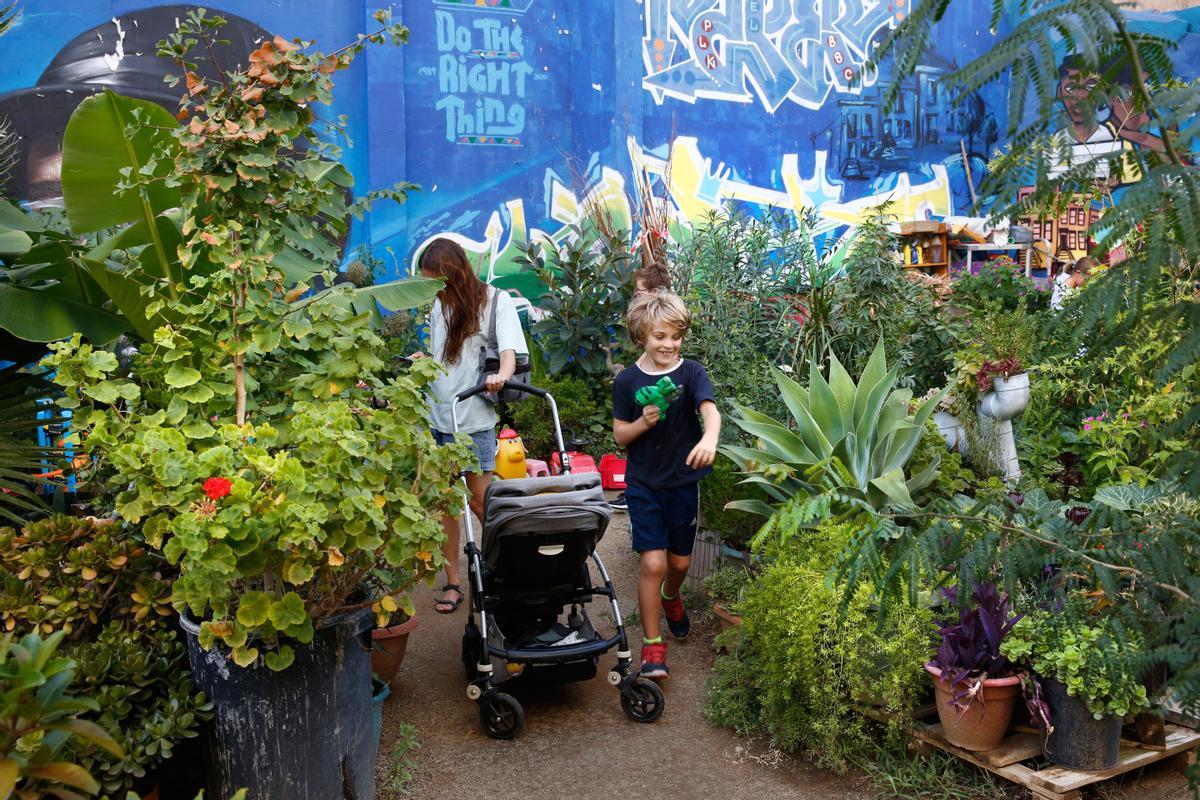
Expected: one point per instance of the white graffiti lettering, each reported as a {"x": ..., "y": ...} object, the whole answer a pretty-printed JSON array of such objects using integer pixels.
[{"x": 772, "y": 50}]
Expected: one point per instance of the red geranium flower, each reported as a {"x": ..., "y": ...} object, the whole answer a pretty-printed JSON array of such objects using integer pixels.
[{"x": 216, "y": 488}]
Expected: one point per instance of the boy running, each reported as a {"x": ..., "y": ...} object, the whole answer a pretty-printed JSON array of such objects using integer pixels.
[{"x": 668, "y": 455}]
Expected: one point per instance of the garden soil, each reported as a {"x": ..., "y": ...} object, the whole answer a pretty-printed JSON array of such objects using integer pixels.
[{"x": 577, "y": 742}]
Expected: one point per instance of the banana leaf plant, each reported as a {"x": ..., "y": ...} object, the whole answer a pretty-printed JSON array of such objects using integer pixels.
[
  {"x": 117, "y": 176},
  {"x": 848, "y": 439}
]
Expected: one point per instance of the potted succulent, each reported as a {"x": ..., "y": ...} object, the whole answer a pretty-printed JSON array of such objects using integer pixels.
[
  {"x": 257, "y": 442},
  {"x": 1087, "y": 675},
  {"x": 101, "y": 587},
  {"x": 975, "y": 683}
]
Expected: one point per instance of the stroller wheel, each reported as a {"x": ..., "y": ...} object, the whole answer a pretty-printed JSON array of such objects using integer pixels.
[
  {"x": 643, "y": 701},
  {"x": 501, "y": 715}
]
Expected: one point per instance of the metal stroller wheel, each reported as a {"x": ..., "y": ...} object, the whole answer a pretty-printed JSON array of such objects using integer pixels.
[
  {"x": 501, "y": 715},
  {"x": 471, "y": 642},
  {"x": 643, "y": 701}
]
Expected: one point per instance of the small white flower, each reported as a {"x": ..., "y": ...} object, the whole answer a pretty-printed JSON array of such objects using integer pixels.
[{"x": 786, "y": 369}]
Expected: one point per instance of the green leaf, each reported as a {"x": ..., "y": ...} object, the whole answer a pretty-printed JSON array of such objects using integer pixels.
[
  {"x": 398, "y": 295},
  {"x": 43, "y": 315},
  {"x": 14, "y": 243},
  {"x": 253, "y": 609},
  {"x": 199, "y": 393},
  {"x": 287, "y": 611},
  {"x": 892, "y": 485},
  {"x": 96, "y": 149},
  {"x": 1128, "y": 497},
  {"x": 179, "y": 376},
  {"x": 281, "y": 659},
  {"x": 13, "y": 218},
  {"x": 86, "y": 729}
]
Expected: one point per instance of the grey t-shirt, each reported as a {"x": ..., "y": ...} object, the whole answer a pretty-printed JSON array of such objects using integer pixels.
[{"x": 476, "y": 414}]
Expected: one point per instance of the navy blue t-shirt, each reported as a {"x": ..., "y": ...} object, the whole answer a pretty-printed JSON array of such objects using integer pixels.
[{"x": 658, "y": 458}]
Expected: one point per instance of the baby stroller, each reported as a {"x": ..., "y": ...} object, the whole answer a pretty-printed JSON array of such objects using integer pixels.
[{"x": 538, "y": 536}]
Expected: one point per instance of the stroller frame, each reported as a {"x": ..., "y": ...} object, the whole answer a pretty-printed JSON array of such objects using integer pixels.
[{"x": 500, "y": 713}]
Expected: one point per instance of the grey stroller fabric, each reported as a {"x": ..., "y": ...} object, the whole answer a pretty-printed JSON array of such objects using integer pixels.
[{"x": 552, "y": 505}]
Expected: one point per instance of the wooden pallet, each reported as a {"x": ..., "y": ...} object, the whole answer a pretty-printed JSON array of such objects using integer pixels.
[{"x": 1053, "y": 782}]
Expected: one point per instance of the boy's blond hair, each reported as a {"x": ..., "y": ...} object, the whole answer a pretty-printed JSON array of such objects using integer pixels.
[{"x": 653, "y": 308}]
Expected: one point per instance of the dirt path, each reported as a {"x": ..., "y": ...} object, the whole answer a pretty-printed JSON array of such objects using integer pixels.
[{"x": 577, "y": 743}]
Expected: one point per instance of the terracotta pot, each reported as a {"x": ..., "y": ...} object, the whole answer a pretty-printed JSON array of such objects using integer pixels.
[
  {"x": 983, "y": 725},
  {"x": 725, "y": 618},
  {"x": 389, "y": 645}
]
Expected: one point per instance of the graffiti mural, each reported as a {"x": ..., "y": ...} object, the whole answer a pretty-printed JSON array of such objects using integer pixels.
[
  {"x": 758, "y": 105},
  {"x": 772, "y": 51}
]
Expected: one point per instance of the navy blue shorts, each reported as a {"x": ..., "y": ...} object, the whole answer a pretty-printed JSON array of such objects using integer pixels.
[{"x": 664, "y": 519}]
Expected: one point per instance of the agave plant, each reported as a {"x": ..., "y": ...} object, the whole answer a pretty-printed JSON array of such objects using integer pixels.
[{"x": 848, "y": 439}]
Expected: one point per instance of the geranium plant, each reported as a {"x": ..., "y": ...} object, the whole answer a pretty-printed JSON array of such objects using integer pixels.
[{"x": 257, "y": 441}]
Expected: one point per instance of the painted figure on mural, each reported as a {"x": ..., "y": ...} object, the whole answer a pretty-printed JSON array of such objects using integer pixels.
[
  {"x": 1099, "y": 127},
  {"x": 118, "y": 54}
]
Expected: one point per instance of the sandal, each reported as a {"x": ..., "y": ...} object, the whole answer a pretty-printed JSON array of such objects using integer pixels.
[{"x": 444, "y": 606}]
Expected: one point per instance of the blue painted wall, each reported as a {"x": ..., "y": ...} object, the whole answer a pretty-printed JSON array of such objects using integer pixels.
[{"x": 765, "y": 103}]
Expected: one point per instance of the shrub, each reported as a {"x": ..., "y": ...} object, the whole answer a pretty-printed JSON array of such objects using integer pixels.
[
  {"x": 1000, "y": 281},
  {"x": 578, "y": 412},
  {"x": 799, "y": 669}
]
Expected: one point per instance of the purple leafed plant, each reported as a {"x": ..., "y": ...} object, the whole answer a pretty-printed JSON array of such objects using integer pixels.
[{"x": 970, "y": 648}]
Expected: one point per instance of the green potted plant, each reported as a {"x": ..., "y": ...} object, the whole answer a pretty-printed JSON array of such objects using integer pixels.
[
  {"x": 724, "y": 586},
  {"x": 256, "y": 441},
  {"x": 1086, "y": 668}
]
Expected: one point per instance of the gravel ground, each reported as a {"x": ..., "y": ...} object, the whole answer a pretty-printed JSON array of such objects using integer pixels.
[{"x": 577, "y": 742}]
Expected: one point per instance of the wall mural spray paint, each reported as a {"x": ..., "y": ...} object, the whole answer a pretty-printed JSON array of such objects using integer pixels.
[
  {"x": 750, "y": 104},
  {"x": 774, "y": 52}
]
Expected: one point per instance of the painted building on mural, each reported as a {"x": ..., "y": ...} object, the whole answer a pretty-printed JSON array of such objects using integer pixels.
[{"x": 758, "y": 103}]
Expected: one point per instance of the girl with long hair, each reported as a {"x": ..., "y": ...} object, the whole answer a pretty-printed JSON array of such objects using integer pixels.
[{"x": 457, "y": 339}]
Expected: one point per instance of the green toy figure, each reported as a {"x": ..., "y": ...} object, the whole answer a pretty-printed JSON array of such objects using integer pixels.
[{"x": 660, "y": 394}]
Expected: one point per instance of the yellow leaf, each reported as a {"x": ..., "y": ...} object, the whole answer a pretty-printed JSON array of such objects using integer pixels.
[
  {"x": 244, "y": 656},
  {"x": 336, "y": 559},
  {"x": 424, "y": 555},
  {"x": 68, "y": 773},
  {"x": 8, "y": 777},
  {"x": 380, "y": 500},
  {"x": 389, "y": 603},
  {"x": 334, "y": 388},
  {"x": 89, "y": 574}
]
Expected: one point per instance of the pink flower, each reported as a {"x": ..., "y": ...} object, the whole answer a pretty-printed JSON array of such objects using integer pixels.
[{"x": 1087, "y": 427}]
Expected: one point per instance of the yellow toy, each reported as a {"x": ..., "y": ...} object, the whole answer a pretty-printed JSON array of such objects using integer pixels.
[{"x": 510, "y": 455}]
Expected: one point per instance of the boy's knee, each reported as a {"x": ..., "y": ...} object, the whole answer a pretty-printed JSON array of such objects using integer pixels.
[
  {"x": 654, "y": 562},
  {"x": 679, "y": 563}
]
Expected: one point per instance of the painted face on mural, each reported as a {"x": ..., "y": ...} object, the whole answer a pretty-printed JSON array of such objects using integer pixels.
[{"x": 1077, "y": 89}]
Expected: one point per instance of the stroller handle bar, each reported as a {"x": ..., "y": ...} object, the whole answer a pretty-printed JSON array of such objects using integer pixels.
[
  {"x": 517, "y": 385},
  {"x": 520, "y": 387}
]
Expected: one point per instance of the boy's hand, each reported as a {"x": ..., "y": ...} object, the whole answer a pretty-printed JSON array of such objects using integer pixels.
[
  {"x": 651, "y": 414},
  {"x": 702, "y": 454}
]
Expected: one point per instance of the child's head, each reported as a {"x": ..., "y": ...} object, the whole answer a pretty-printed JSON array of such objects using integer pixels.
[
  {"x": 658, "y": 310},
  {"x": 651, "y": 277}
]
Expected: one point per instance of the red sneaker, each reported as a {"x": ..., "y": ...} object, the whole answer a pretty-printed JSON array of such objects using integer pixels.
[
  {"x": 677, "y": 618},
  {"x": 654, "y": 661}
]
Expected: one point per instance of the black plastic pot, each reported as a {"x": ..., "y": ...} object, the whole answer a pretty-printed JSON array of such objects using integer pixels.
[
  {"x": 1079, "y": 740},
  {"x": 305, "y": 733}
]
